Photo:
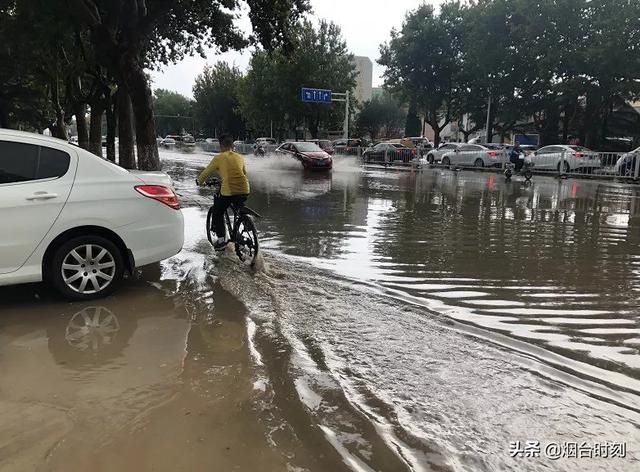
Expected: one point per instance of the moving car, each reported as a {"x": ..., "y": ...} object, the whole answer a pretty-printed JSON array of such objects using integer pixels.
[
  {"x": 435, "y": 155},
  {"x": 626, "y": 165},
  {"x": 575, "y": 158},
  {"x": 476, "y": 155},
  {"x": 388, "y": 153},
  {"x": 79, "y": 222},
  {"x": 186, "y": 143},
  {"x": 309, "y": 154},
  {"x": 168, "y": 143}
]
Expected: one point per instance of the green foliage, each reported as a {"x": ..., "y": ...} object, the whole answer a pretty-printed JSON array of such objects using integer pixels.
[
  {"x": 381, "y": 117},
  {"x": 173, "y": 112},
  {"x": 271, "y": 92},
  {"x": 217, "y": 104},
  {"x": 557, "y": 65},
  {"x": 422, "y": 62}
]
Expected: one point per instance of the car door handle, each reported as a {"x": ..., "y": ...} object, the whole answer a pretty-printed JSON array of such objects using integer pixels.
[{"x": 42, "y": 196}]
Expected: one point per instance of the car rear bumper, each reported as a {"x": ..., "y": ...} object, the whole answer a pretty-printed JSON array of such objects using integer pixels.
[{"x": 155, "y": 238}]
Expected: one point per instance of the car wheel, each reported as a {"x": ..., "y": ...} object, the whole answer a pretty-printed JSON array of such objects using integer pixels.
[
  {"x": 478, "y": 163},
  {"x": 430, "y": 159},
  {"x": 86, "y": 267},
  {"x": 566, "y": 167},
  {"x": 446, "y": 162}
]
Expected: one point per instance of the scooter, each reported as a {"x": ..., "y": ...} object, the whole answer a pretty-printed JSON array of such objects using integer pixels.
[{"x": 525, "y": 170}]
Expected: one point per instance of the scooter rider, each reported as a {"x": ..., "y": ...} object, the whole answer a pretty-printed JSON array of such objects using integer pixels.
[{"x": 514, "y": 157}]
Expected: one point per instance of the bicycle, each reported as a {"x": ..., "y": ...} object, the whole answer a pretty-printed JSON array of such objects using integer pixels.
[{"x": 242, "y": 232}]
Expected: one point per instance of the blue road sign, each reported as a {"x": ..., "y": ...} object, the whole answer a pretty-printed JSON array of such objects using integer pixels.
[{"x": 316, "y": 95}]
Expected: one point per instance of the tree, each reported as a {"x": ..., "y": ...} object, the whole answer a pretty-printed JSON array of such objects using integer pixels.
[
  {"x": 217, "y": 104},
  {"x": 173, "y": 112},
  {"x": 318, "y": 58},
  {"x": 381, "y": 117},
  {"x": 129, "y": 36},
  {"x": 422, "y": 62}
]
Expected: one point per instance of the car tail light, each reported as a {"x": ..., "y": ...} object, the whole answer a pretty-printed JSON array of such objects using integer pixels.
[
  {"x": 413, "y": 152},
  {"x": 492, "y": 154},
  {"x": 160, "y": 193}
]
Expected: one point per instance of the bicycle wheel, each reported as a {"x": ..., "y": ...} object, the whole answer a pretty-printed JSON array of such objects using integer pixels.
[
  {"x": 246, "y": 240},
  {"x": 211, "y": 231}
]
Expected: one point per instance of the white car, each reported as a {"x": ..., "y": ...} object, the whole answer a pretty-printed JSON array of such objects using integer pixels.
[
  {"x": 626, "y": 164},
  {"x": 476, "y": 155},
  {"x": 557, "y": 156},
  {"x": 435, "y": 155},
  {"x": 77, "y": 221}
]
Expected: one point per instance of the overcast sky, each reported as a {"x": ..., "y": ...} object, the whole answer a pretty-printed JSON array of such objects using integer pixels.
[{"x": 365, "y": 25}]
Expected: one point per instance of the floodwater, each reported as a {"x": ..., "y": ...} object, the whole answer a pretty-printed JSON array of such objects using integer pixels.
[{"x": 397, "y": 321}]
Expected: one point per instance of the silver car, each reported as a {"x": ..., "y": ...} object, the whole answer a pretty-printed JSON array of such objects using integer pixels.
[
  {"x": 435, "y": 155},
  {"x": 476, "y": 155},
  {"x": 566, "y": 158},
  {"x": 626, "y": 165}
]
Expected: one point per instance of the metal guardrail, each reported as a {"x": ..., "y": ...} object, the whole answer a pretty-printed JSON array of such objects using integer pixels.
[{"x": 605, "y": 167}]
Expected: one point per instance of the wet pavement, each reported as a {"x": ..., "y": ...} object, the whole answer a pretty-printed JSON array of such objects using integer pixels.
[{"x": 397, "y": 321}]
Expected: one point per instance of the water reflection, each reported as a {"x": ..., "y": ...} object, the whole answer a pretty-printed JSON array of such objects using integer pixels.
[
  {"x": 554, "y": 263},
  {"x": 92, "y": 328}
]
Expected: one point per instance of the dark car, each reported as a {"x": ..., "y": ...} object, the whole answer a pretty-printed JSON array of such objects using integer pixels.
[
  {"x": 386, "y": 153},
  {"x": 325, "y": 145},
  {"x": 310, "y": 155}
]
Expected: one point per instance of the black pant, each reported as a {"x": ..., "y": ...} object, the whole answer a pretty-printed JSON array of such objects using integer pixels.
[{"x": 220, "y": 205}]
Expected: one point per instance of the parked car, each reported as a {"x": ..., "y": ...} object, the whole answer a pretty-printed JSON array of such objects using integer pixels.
[
  {"x": 325, "y": 145},
  {"x": 422, "y": 144},
  {"x": 435, "y": 155},
  {"x": 626, "y": 165},
  {"x": 388, "y": 153},
  {"x": 575, "y": 158},
  {"x": 310, "y": 155},
  {"x": 79, "y": 222},
  {"x": 476, "y": 155},
  {"x": 348, "y": 146}
]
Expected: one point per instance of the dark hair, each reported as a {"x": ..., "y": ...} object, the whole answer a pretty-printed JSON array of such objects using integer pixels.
[{"x": 226, "y": 140}]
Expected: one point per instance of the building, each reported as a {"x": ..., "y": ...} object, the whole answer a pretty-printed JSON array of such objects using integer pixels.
[
  {"x": 364, "y": 78},
  {"x": 377, "y": 92}
]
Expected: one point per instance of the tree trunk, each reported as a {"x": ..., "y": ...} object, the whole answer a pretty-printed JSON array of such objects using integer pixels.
[
  {"x": 4, "y": 114},
  {"x": 80, "y": 111},
  {"x": 111, "y": 127},
  {"x": 142, "y": 104},
  {"x": 126, "y": 153},
  {"x": 589, "y": 134},
  {"x": 59, "y": 130},
  {"x": 95, "y": 127},
  {"x": 551, "y": 128}
]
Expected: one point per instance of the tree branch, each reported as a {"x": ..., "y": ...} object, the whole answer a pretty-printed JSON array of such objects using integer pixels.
[{"x": 86, "y": 11}]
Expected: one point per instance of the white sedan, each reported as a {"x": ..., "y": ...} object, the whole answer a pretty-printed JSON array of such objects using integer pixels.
[
  {"x": 476, "y": 155},
  {"x": 565, "y": 157},
  {"x": 77, "y": 221}
]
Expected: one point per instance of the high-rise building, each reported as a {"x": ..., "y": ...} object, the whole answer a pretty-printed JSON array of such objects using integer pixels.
[{"x": 364, "y": 78}]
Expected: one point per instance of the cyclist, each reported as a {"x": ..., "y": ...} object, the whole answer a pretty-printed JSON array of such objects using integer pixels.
[{"x": 235, "y": 185}]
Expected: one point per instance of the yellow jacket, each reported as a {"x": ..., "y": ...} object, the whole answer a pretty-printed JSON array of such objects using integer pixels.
[{"x": 230, "y": 166}]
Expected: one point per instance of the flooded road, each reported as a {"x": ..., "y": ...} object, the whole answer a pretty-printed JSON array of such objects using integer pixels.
[{"x": 399, "y": 321}]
